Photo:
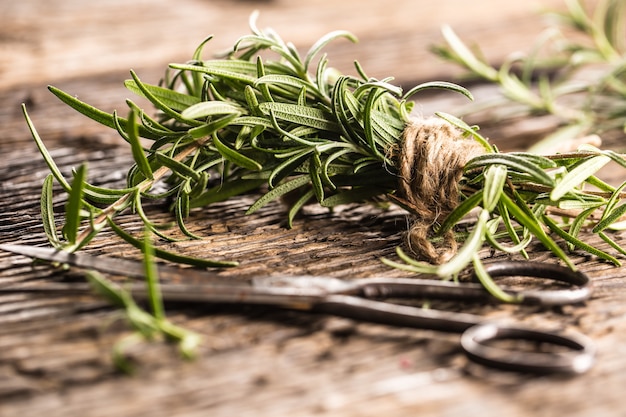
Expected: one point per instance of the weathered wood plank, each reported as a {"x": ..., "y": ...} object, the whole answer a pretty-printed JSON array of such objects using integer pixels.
[
  {"x": 255, "y": 360},
  {"x": 44, "y": 41}
]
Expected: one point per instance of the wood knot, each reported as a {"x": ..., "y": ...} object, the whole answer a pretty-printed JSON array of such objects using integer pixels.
[{"x": 430, "y": 165}]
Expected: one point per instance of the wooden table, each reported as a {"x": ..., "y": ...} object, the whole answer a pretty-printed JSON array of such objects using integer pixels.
[{"x": 55, "y": 351}]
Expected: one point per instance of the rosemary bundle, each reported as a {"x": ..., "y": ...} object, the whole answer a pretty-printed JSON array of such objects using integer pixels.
[
  {"x": 575, "y": 71},
  {"x": 263, "y": 117}
]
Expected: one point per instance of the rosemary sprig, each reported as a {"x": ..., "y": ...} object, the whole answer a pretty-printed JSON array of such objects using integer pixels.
[
  {"x": 147, "y": 325},
  {"x": 576, "y": 71},
  {"x": 263, "y": 115}
]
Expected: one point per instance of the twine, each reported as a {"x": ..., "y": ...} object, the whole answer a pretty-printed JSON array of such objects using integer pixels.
[{"x": 430, "y": 165}]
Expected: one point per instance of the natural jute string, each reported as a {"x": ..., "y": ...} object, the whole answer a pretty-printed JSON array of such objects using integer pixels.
[{"x": 430, "y": 164}]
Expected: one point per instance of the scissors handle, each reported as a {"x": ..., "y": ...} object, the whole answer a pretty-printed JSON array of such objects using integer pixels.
[
  {"x": 578, "y": 287},
  {"x": 477, "y": 342},
  {"x": 477, "y": 335}
]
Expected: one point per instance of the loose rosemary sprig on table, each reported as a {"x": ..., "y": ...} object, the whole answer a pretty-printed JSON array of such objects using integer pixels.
[
  {"x": 147, "y": 325},
  {"x": 263, "y": 117},
  {"x": 576, "y": 71}
]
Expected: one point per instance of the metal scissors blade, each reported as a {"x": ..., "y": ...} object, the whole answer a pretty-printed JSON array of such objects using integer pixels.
[
  {"x": 356, "y": 299},
  {"x": 578, "y": 288},
  {"x": 109, "y": 265}
]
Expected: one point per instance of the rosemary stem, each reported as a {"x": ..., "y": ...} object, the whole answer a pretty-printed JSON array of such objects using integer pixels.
[{"x": 145, "y": 185}]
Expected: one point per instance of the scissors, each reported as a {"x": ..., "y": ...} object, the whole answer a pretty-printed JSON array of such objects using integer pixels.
[{"x": 362, "y": 299}]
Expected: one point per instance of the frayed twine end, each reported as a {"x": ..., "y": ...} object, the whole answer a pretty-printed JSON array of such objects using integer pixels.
[{"x": 430, "y": 165}]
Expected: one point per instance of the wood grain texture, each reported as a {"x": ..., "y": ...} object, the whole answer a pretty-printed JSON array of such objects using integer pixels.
[
  {"x": 44, "y": 40},
  {"x": 55, "y": 351}
]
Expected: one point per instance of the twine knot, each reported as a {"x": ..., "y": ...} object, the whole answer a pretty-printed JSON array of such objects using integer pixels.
[{"x": 430, "y": 165}]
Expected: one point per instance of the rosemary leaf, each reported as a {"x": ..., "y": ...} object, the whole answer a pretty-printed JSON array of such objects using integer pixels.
[
  {"x": 610, "y": 218},
  {"x": 74, "y": 205},
  {"x": 589, "y": 36},
  {"x": 578, "y": 243},
  {"x": 170, "y": 256},
  {"x": 514, "y": 162},
  {"x": 139, "y": 156},
  {"x": 322, "y": 42},
  {"x": 212, "y": 68},
  {"x": 221, "y": 193},
  {"x": 460, "y": 212},
  {"x": 47, "y": 212},
  {"x": 235, "y": 157},
  {"x": 355, "y": 195},
  {"x": 178, "y": 167},
  {"x": 173, "y": 99},
  {"x": 485, "y": 279},
  {"x": 613, "y": 244},
  {"x": 295, "y": 207},
  {"x": 578, "y": 175},
  {"x": 467, "y": 252},
  {"x": 278, "y": 192},
  {"x": 495, "y": 177},
  {"x": 284, "y": 80},
  {"x": 159, "y": 103},
  {"x": 95, "y": 114},
  {"x": 151, "y": 276},
  {"x": 527, "y": 219},
  {"x": 410, "y": 264},
  {"x": 205, "y": 109},
  {"x": 441, "y": 85},
  {"x": 302, "y": 115},
  {"x": 52, "y": 166}
]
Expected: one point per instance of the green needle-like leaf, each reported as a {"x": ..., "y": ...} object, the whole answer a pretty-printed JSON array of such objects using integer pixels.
[
  {"x": 295, "y": 207},
  {"x": 283, "y": 80},
  {"x": 613, "y": 244},
  {"x": 74, "y": 205},
  {"x": 139, "y": 156},
  {"x": 323, "y": 41},
  {"x": 514, "y": 162},
  {"x": 176, "y": 166},
  {"x": 209, "y": 108},
  {"x": 438, "y": 84},
  {"x": 152, "y": 278},
  {"x": 173, "y": 99},
  {"x": 171, "y": 256},
  {"x": 302, "y": 115},
  {"x": 575, "y": 242},
  {"x": 410, "y": 264},
  {"x": 236, "y": 157},
  {"x": 278, "y": 192},
  {"x": 611, "y": 218},
  {"x": 354, "y": 195},
  {"x": 467, "y": 252},
  {"x": 578, "y": 175},
  {"x": 159, "y": 103},
  {"x": 223, "y": 192},
  {"x": 218, "y": 70},
  {"x": 47, "y": 212},
  {"x": 465, "y": 55},
  {"x": 611, "y": 214},
  {"x": 111, "y": 292},
  {"x": 460, "y": 212},
  {"x": 495, "y": 177},
  {"x": 95, "y": 114},
  {"x": 147, "y": 326},
  {"x": 529, "y": 221},
  {"x": 52, "y": 166},
  {"x": 485, "y": 279}
]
